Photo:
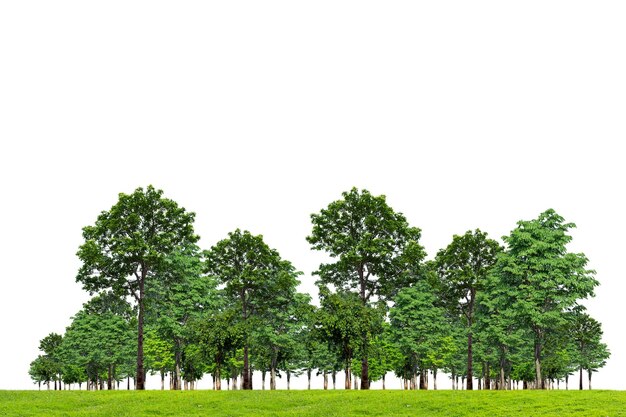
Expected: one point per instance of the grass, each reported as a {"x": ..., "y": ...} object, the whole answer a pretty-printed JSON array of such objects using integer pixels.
[{"x": 313, "y": 403}]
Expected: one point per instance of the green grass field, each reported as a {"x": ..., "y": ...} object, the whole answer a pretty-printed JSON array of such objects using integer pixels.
[{"x": 313, "y": 403}]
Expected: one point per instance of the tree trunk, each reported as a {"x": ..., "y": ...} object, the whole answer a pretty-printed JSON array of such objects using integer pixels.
[
  {"x": 502, "y": 385},
  {"x": 272, "y": 378},
  {"x": 589, "y": 372},
  {"x": 580, "y": 383},
  {"x": 435, "y": 379},
  {"x": 423, "y": 379},
  {"x": 325, "y": 380},
  {"x": 566, "y": 382},
  {"x": 110, "y": 377},
  {"x": 263, "y": 372},
  {"x": 470, "y": 377},
  {"x": 384, "y": 381},
  {"x": 487, "y": 376},
  {"x": 288, "y": 380},
  {"x": 178, "y": 359},
  {"x": 334, "y": 379},
  {"x": 365, "y": 382},
  {"x": 218, "y": 378},
  {"x": 348, "y": 373},
  {"x": 538, "y": 380},
  {"x": 140, "y": 381},
  {"x": 308, "y": 374}
]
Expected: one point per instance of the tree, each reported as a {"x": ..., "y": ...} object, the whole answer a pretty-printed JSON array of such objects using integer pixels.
[
  {"x": 43, "y": 369},
  {"x": 346, "y": 323},
  {"x": 377, "y": 252},
  {"x": 185, "y": 294},
  {"x": 127, "y": 248},
  {"x": 280, "y": 333},
  {"x": 219, "y": 335},
  {"x": 547, "y": 279},
  {"x": 586, "y": 335},
  {"x": 254, "y": 276},
  {"x": 50, "y": 346},
  {"x": 419, "y": 327},
  {"x": 463, "y": 267},
  {"x": 159, "y": 354},
  {"x": 99, "y": 338}
]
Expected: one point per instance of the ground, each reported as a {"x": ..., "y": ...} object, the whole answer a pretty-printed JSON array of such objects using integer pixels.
[{"x": 313, "y": 403}]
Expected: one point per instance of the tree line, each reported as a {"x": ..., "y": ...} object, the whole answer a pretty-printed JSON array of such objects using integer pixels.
[{"x": 489, "y": 315}]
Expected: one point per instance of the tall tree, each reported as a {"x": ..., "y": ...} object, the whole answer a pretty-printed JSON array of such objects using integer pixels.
[
  {"x": 128, "y": 246},
  {"x": 253, "y": 275},
  {"x": 463, "y": 268},
  {"x": 548, "y": 280},
  {"x": 377, "y": 251}
]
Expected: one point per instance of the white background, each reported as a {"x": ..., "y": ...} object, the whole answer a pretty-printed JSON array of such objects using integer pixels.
[{"x": 256, "y": 114}]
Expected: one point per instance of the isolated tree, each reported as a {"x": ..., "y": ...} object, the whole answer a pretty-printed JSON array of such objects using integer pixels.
[
  {"x": 463, "y": 267},
  {"x": 254, "y": 277},
  {"x": 376, "y": 250},
  {"x": 127, "y": 247},
  {"x": 548, "y": 280}
]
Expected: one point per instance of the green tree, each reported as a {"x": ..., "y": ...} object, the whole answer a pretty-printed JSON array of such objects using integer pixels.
[
  {"x": 128, "y": 246},
  {"x": 159, "y": 354},
  {"x": 281, "y": 332},
  {"x": 343, "y": 321},
  {"x": 185, "y": 294},
  {"x": 50, "y": 346},
  {"x": 376, "y": 251},
  {"x": 548, "y": 280},
  {"x": 219, "y": 335},
  {"x": 253, "y": 275},
  {"x": 419, "y": 326},
  {"x": 589, "y": 351},
  {"x": 43, "y": 369},
  {"x": 100, "y": 338},
  {"x": 463, "y": 268}
]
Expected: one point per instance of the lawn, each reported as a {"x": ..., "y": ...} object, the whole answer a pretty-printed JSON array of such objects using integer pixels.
[{"x": 313, "y": 403}]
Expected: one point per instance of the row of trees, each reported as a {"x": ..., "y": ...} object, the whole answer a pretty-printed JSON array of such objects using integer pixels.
[{"x": 480, "y": 312}]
